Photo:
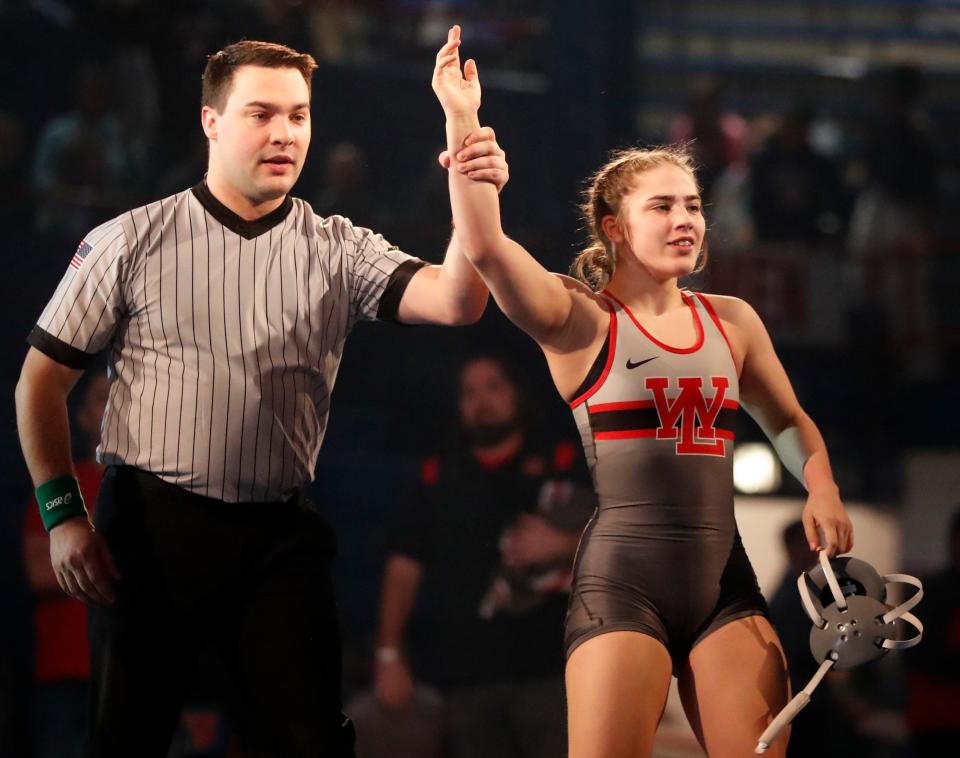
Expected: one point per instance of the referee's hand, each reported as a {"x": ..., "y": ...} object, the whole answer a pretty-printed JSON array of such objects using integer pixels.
[
  {"x": 82, "y": 562},
  {"x": 481, "y": 158}
]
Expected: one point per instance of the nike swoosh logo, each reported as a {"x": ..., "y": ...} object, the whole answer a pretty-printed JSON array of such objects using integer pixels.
[{"x": 631, "y": 364}]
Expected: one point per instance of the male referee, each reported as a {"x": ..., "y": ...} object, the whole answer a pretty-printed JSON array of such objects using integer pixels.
[{"x": 224, "y": 309}]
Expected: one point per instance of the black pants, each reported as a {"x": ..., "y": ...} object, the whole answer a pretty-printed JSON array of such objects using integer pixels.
[{"x": 253, "y": 579}]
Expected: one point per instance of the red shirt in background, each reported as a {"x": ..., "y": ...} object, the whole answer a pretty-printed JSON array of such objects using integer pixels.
[{"x": 61, "y": 621}]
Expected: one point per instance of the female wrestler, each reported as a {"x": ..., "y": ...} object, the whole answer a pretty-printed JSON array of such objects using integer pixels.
[{"x": 654, "y": 375}]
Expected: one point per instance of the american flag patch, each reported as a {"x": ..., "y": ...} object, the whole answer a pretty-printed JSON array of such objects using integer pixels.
[{"x": 78, "y": 257}]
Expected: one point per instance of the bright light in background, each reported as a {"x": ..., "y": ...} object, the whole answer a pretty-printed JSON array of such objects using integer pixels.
[{"x": 756, "y": 470}]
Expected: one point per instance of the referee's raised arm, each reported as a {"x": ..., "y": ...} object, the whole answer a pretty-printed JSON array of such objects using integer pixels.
[{"x": 80, "y": 557}]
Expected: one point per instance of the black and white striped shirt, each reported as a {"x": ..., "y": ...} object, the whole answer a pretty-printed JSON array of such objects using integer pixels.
[{"x": 224, "y": 335}]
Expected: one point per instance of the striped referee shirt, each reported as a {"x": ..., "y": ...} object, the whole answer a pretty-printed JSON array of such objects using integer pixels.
[{"x": 224, "y": 335}]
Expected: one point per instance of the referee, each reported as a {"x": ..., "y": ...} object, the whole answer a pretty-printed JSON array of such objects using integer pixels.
[{"x": 224, "y": 311}]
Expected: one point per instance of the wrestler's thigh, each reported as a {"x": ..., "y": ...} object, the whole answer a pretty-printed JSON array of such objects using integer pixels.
[
  {"x": 733, "y": 685},
  {"x": 617, "y": 686}
]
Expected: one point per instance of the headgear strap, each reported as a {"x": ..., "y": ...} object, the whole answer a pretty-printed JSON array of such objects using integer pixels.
[{"x": 856, "y": 627}]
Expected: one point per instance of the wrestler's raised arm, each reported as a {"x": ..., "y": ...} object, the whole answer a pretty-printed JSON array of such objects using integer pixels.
[{"x": 540, "y": 303}]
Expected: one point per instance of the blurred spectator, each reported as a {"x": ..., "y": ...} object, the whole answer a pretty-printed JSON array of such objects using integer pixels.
[
  {"x": 718, "y": 139},
  {"x": 489, "y": 539},
  {"x": 933, "y": 704},
  {"x": 796, "y": 194},
  {"x": 339, "y": 30},
  {"x": 900, "y": 167},
  {"x": 344, "y": 190},
  {"x": 84, "y": 164},
  {"x": 718, "y": 134},
  {"x": 122, "y": 31},
  {"x": 180, "y": 50},
  {"x": 729, "y": 214},
  {"x": 62, "y": 658},
  {"x": 895, "y": 216}
]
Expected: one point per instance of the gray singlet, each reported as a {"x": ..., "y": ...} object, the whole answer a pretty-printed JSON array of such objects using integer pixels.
[{"x": 662, "y": 554}]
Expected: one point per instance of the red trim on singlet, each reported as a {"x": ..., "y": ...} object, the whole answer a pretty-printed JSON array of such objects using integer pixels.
[
  {"x": 627, "y": 434},
  {"x": 611, "y": 350},
  {"x": 733, "y": 405},
  {"x": 632, "y": 434},
  {"x": 683, "y": 350},
  {"x": 716, "y": 320},
  {"x": 627, "y": 405}
]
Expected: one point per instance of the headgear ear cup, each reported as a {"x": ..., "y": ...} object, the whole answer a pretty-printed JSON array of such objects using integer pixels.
[{"x": 852, "y": 624}]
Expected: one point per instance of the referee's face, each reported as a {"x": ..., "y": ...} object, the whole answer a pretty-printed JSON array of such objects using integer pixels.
[{"x": 260, "y": 140}]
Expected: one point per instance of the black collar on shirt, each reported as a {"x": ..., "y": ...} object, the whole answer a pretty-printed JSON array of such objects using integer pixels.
[{"x": 246, "y": 229}]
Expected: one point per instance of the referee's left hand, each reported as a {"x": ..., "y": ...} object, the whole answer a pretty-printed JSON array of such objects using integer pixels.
[
  {"x": 481, "y": 158},
  {"x": 82, "y": 562}
]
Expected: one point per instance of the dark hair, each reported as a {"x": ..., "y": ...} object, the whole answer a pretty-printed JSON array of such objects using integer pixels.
[
  {"x": 218, "y": 75},
  {"x": 502, "y": 362},
  {"x": 508, "y": 367}
]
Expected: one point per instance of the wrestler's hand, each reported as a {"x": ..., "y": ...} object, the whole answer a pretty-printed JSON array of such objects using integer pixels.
[
  {"x": 82, "y": 562},
  {"x": 825, "y": 512},
  {"x": 533, "y": 541},
  {"x": 393, "y": 684},
  {"x": 481, "y": 159},
  {"x": 458, "y": 92}
]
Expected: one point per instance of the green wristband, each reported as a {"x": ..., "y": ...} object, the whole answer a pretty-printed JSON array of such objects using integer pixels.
[{"x": 59, "y": 499}]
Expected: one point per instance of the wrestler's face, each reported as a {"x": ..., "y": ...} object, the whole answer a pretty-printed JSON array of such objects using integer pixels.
[
  {"x": 660, "y": 225},
  {"x": 258, "y": 143},
  {"x": 487, "y": 397}
]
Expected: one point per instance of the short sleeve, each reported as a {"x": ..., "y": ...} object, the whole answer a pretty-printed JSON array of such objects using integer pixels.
[
  {"x": 83, "y": 313},
  {"x": 411, "y": 528},
  {"x": 378, "y": 272}
]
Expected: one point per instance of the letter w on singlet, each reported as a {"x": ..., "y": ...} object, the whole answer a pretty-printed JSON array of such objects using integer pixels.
[{"x": 689, "y": 416}]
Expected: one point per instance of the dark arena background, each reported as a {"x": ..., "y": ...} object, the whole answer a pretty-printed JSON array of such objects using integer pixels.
[{"x": 828, "y": 136}]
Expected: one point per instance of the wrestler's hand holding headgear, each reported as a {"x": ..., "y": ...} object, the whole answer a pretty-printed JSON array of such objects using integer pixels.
[{"x": 852, "y": 623}]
